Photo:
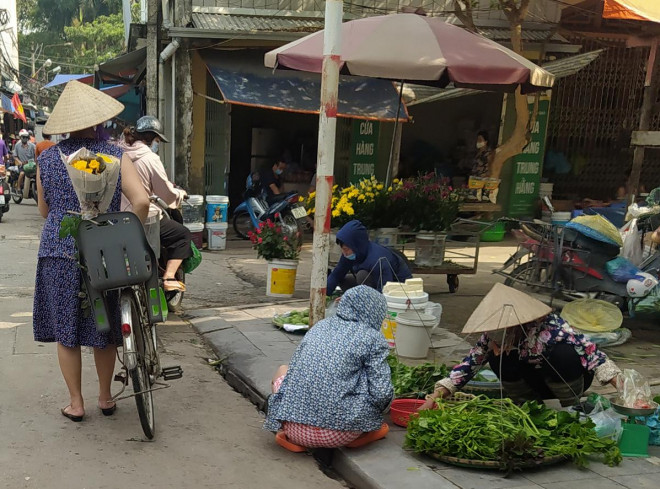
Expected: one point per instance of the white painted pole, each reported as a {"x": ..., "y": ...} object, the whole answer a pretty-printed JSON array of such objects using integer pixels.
[{"x": 326, "y": 156}]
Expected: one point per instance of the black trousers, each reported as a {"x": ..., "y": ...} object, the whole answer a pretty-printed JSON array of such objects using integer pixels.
[
  {"x": 176, "y": 239},
  {"x": 563, "y": 362}
]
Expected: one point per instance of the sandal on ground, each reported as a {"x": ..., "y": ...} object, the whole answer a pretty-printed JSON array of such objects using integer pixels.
[
  {"x": 109, "y": 411},
  {"x": 370, "y": 436},
  {"x": 284, "y": 442},
  {"x": 172, "y": 284},
  {"x": 72, "y": 417}
]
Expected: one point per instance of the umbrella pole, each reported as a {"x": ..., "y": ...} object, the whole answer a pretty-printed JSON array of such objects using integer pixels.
[
  {"x": 326, "y": 157},
  {"x": 396, "y": 128}
]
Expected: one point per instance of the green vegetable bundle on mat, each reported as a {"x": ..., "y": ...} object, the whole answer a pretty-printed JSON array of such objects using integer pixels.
[
  {"x": 415, "y": 381},
  {"x": 292, "y": 317},
  {"x": 497, "y": 430}
]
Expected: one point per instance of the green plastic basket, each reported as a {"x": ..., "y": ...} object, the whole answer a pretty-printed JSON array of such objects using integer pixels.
[
  {"x": 634, "y": 440},
  {"x": 494, "y": 233}
]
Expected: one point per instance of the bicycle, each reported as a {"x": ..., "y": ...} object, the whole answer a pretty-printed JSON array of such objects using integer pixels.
[{"x": 116, "y": 258}]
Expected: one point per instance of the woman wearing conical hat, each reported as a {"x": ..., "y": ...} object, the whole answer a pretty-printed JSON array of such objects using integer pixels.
[
  {"x": 58, "y": 315},
  {"x": 535, "y": 353}
]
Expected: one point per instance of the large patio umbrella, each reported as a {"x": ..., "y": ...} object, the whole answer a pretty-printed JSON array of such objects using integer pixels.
[{"x": 411, "y": 47}]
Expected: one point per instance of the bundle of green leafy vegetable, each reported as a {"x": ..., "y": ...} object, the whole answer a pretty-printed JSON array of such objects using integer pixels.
[
  {"x": 415, "y": 381},
  {"x": 300, "y": 317},
  {"x": 515, "y": 436}
]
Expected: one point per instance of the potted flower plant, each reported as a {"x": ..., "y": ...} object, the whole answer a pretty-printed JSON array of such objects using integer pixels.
[{"x": 281, "y": 250}]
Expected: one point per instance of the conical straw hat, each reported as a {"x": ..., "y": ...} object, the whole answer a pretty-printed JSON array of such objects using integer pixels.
[
  {"x": 504, "y": 307},
  {"x": 79, "y": 107}
]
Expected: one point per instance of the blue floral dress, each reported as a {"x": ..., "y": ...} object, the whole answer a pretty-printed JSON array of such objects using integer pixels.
[
  {"x": 338, "y": 377},
  {"x": 539, "y": 339},
  {"x": 57, "y": 313}
]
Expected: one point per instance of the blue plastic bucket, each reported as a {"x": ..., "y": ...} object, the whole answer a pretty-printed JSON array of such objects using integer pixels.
[{"x": 217, "y": 207}]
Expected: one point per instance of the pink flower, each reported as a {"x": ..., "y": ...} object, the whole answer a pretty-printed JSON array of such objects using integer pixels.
[
  {"x": 285, "y": 238},
  {"x": 271, "y": 225},
  {"x": 262, "y": 224},
  {"x": 259, "y": 230},
  {"x": 278, "y": 230},
  {"x": 277, "y": 215},
  {"x": 260, "y": 240}
]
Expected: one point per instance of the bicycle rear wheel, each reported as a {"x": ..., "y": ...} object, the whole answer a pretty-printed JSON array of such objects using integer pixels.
[{"x": 140, "y": 377}]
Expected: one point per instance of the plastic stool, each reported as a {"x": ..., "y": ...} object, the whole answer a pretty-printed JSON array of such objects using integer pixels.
[
  {"x": 370, "y": 436},
  {"x": 283, "y": 441}
]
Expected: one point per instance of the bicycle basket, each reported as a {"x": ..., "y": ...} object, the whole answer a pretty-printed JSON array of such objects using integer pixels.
[{"x": 115, "y": 252}]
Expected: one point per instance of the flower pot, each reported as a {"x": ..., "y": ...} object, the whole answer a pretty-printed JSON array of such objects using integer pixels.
[
  {"x": 335, "y": 249},
  {"x": 385, "y": 236},
  {"x": 430, "y": 249},
  {"x": 281, "y": 280}
]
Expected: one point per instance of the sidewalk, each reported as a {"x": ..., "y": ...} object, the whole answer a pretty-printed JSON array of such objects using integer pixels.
[{"x": 251, "y": 348}]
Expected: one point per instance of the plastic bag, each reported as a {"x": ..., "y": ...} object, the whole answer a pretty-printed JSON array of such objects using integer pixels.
[
  {"x": 634, "y": 389},
  {"x": 621, "y": 270},
  {"x": 607, "y": 421},
  {"x": 592, "y": 315},
  {"x": 192, "y": 262},
  {"x": 649, "y": 305},
  {"x": 632, "y": 243}
]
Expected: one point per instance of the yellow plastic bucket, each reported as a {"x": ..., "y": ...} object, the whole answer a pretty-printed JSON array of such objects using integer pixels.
[{"x": 281, "y": 278}]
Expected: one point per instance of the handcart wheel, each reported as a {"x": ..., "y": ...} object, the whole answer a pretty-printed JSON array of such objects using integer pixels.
[{"x": 452, "y": 281}]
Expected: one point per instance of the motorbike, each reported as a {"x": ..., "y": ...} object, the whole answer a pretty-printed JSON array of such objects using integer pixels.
[
  {"x": 565, "y": 264},
  {"x": 5, "y": 193},
  {"x": 29, "y": 189},
  {"x": 287, "y": 210},
  {"x": 152, "y": 228}
]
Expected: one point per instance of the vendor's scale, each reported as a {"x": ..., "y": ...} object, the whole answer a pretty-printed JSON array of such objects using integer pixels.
[{"x": 635, "y": 437}]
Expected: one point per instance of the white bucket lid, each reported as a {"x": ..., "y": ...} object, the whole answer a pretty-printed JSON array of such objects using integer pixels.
[
  {"x": 195, "y": 199},
  {"x": 217, "y": 225},
  {"x": 217, "y": 199},
  {"x": 194, "y": 227},
  {"x": 400, "y": 301},
  {"x": 417, "y": 319}
]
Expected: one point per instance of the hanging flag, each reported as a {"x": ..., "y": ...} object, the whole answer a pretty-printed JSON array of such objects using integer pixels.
[
  {"x": 6, "y": 104},
  {"x": 18, "y": 108}
]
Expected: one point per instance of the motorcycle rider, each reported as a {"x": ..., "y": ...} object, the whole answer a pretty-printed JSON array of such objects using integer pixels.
[
  {"x": 272, "y": 181},
  {"x": 24, "y": 151},
  {"x": 140, "y": 143}
]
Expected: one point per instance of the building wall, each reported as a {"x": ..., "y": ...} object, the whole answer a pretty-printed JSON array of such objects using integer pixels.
[
  {"x": 198, "y": 75},
  {"x": 540, "y": 10},
  {"x": 9, "y": 43}
]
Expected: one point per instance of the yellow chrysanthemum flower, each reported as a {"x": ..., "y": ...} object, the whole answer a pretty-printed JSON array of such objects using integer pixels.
[
  {"x": 105, "y": 158},
  {"x": 389, "y": 189},
  {"x": 79, "y": 164},
  {"x": 395, "y": 181},
  {"x": 379, "y": 186},
  {"x": 336, "y": 213},
  {"x": 312, "y": 195},
  {"x": 94, "y": 165}
]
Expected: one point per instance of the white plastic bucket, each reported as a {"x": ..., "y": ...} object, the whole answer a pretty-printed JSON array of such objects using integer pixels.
[
  {"x": 413, "y": 334},
  {"x": 386, "y": 236},
  {"x": 191, "y": 209},
  {"x": 281, "y": 280},
  {"x": 397, "y": 306},
  {"x": 216, "y": 235},
  {"x": 217, "y": 207},
  {"x": 197, "y": 231},
  {"x": 561, "y": 218}
]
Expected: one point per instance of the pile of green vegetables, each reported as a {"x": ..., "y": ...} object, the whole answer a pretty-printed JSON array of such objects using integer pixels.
[
  {"x": 417, "y": 381},
  {"x": 515, "y": 436},
  {"x": 293, "y": 317}
]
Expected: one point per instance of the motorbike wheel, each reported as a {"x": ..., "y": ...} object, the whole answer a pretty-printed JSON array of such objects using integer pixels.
[
  {"x": 174, "y": 298},
  {"x": 33, "y": 192},
  {"x": 16, "y": 195},
  {"x": 243, "y": 224},
  {"x": 290, "y": 225},
  {"x": 524, "y": 276}
]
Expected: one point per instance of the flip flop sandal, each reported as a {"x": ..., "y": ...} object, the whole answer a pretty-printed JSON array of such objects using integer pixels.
[
  {"x": 108, "y": 411},
  {"x": 72, "y": 417},
  {"x": 172, "y": 284}
]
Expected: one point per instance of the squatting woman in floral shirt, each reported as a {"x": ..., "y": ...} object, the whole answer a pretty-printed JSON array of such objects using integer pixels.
[{"x": 535, "y": 353}]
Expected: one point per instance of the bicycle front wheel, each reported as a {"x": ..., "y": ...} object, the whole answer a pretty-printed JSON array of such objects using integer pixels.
[{"x": 140, "y": 377}]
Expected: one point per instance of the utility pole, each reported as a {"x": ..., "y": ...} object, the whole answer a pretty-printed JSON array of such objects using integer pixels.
[
  {"x": 182, "y": 99},
  {"x": 325, "y": 164},
  {"x": 152, "y": 57}
]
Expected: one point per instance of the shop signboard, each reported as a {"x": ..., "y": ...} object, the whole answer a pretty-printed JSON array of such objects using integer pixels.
[
  {"x": 528, "y": 166},
  {"x": 364, "y": 149}
]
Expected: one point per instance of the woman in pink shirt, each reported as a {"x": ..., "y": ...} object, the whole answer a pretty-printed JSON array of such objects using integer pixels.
[{"x": 140, "y": 143}]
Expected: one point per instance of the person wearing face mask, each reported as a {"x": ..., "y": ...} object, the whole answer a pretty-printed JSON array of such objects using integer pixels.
[
  {"x": 483, "y": 158},
  {"x": 272, "y": 180},
  {"x": 141, "y": 144},
  {"x": 364, "y": 262},
  {"x": 24, "y": 151}
]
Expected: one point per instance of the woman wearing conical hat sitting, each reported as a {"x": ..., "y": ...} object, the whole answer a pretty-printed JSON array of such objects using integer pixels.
[{"x": 535, "y": 353}]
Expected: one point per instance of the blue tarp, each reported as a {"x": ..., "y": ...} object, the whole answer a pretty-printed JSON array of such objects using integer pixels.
[
  {"x": 243, "y": 79},
  {"x": 62, "y": 79}
]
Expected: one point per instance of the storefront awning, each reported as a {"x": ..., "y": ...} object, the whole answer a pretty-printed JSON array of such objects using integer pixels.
[
  {"x": 129, "y": 68},
  {"x": 648, "y": 10},
  {"x": 61, "y": 79},
  {"x": 560, "y": 68},
  {"x": 244, "y": 80}
]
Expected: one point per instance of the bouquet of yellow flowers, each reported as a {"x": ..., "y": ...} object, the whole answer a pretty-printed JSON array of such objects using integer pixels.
[{"x": 94, "y": 178}]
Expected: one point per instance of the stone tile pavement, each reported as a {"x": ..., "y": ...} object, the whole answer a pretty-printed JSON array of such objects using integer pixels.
[{"x": 251, "y": 349}]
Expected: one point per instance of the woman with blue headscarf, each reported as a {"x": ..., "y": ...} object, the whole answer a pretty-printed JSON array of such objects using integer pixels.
[{"x": 338, "y": 383}]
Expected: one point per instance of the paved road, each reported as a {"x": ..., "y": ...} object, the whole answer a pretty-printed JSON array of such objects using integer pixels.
[{"x": 207, "y": 434}]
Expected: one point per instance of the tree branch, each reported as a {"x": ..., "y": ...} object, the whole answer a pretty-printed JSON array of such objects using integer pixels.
[{"x": 463, "y": 11}]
